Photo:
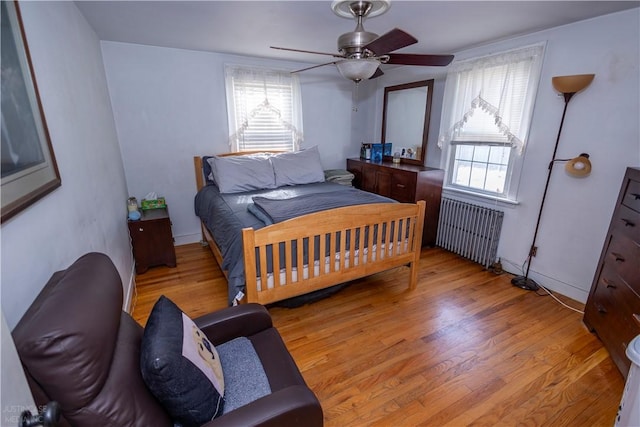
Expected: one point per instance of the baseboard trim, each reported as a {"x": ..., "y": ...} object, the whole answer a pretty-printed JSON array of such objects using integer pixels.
[
  {"x": 550, "y": 283},
  {"x": 129, "y": 301},
  {"x": 186, "y": 239}
]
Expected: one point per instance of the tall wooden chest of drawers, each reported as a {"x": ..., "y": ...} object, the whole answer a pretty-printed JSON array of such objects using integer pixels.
[
  {"x": 404, "y": 183},
  {"x": 613, "y": 306}
]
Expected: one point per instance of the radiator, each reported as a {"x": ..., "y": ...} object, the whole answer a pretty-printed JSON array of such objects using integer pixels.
[{"x": 469, "y": 230}]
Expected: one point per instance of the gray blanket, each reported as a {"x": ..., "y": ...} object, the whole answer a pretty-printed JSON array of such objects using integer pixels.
[{"x": 278, "y": 210}]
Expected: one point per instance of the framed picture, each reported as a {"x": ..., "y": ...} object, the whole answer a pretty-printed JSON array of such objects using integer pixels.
[
  {"x": 29, "y": 170},
  {"x": 407, "y": 152}
]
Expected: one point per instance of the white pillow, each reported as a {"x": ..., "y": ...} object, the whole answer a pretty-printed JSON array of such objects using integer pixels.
[
  {"x": 299, "y": 167},
  {"x": 235, "y": 174}
]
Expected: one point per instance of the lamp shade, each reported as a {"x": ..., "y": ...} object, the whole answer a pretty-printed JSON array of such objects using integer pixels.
[
  {"x": 579, "y": 166},
  {"x": 357, "y": 69},
  {"x": 572, "y": 84}
]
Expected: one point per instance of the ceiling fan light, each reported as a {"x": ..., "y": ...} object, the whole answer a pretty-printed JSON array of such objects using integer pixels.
[{"x": 357, "y": 69}]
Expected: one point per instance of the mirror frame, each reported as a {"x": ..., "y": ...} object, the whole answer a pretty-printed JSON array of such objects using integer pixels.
[{"x": 427, "y": 115}]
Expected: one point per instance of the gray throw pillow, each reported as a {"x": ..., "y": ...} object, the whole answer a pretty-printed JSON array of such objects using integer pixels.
[
  {"x": 299, "y": 167},
  {"x": 236, "y": 174}
]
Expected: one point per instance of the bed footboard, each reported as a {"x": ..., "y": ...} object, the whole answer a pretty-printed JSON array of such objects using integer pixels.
[{"x": 326, "y": 248}]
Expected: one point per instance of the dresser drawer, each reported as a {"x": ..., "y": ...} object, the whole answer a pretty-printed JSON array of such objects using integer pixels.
[
  {"x": 626, "y": 221},
  {"x": 403, "y": 187},
  {"x": 632, "y": 196},
  {"x": 623, "y": 255},
  {"x": 611, "y": 313},
  {"x": 615, "y": 287}
]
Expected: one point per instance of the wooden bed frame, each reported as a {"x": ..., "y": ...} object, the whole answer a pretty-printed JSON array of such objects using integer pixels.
[{"x": 357, "y": 220}]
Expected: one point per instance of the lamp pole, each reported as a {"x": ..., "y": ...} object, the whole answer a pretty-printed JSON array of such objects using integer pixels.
[
  {"x": 568, "y": 86},
  {"x": 523, "y": 281}
]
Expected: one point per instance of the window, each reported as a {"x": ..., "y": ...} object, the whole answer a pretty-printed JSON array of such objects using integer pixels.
[
  {"x": 264, "y": 109},
  {"x": 487, "y": 109}
]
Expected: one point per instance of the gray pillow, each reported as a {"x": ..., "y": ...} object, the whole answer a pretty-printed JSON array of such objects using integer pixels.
[
  {"x": 299, "y": 167},
  {"x": 235, "y": 174}
]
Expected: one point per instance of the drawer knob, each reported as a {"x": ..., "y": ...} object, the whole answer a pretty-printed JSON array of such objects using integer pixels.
[
  {"x": 628, "y": 223},
  {"x": 400, "y": 185},
  {"x": 609, "y": 283},
  {"x": 618, "y": 257},
  {"x": 636, "y": 196},
  {"x": 140, "y": 229},
  {"x": 601, "y": 309}
]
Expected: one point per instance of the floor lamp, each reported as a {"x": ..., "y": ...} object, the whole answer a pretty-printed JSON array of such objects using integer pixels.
[{"x": 578, "y": 166}]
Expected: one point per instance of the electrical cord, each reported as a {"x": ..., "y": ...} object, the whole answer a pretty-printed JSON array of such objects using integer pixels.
[
  {"x": 556, "y": 298},
  {"x": 548, "y": 292}
]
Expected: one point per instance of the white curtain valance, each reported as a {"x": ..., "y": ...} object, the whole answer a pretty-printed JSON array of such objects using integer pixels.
[
  {"x": 500, "y": 127},
  {"x": 503, "y": 86}
]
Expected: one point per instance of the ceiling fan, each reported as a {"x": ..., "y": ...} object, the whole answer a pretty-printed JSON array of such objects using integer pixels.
[{"x": 361, "y": 52}]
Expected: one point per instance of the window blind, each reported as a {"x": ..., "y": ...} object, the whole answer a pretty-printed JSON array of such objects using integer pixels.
[{"x": 263, "y": 110}]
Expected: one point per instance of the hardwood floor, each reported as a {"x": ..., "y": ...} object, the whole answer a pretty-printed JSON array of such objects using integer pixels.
[{"x": 464, "y": 348}]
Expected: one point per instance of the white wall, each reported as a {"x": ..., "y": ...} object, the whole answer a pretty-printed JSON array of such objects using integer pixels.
[
  {"x": 169, "y": 105},
  {"x": 88, "y": 212},
  {"x": 602, "y": 121}
]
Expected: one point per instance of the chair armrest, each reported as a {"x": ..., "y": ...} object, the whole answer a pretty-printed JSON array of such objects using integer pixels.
[
  {"x": 232, "y": 322},
  {"x": 291, "y": 406}
]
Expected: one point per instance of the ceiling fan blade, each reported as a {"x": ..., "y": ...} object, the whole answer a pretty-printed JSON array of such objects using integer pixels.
[
  {"x": 378, "y": 73},
  {"x": 390, "y": 41},
  {"x": 315, "y": 66},
  {"x": 335, "y": 55},
  {"x": 417, "y": 59}
]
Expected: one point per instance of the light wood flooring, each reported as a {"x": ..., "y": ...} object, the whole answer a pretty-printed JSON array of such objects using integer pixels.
[{"x": 464, "y": 348}]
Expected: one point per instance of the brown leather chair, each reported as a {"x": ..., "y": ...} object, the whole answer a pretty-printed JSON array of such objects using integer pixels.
[{"x": 80, "y": 349}]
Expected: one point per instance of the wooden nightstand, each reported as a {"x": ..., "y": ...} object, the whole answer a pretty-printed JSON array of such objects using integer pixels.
[{"x": 152, "y": 240}]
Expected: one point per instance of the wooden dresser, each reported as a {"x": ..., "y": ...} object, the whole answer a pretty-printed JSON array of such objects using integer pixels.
[
  {"x": 613, "y": 306},
  {"x": 404, "y": 183}
]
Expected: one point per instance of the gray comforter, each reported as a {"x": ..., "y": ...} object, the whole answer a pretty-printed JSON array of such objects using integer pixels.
[{"x": 282, "y": 209}]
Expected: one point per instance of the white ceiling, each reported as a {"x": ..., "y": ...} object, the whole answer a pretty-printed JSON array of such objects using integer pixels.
[{"x": 250, "y": 27}]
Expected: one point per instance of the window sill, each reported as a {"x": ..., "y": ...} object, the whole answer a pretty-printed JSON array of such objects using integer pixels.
[{"x": 471, "y": 195}]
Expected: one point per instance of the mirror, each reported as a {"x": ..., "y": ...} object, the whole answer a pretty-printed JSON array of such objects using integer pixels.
[{"x": 405, "y": 120}]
